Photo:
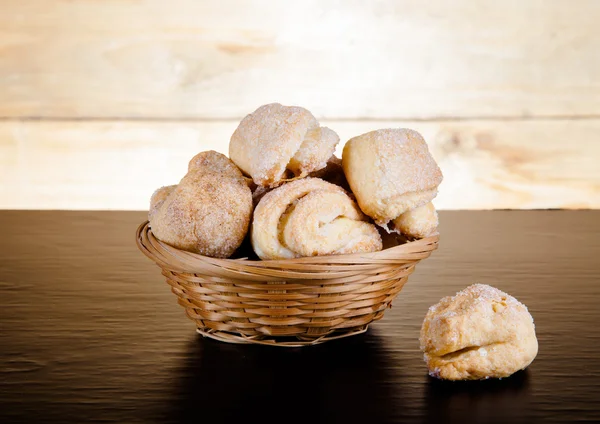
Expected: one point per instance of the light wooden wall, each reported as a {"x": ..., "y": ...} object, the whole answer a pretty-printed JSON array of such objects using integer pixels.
[{"x": 103, "y": 101}]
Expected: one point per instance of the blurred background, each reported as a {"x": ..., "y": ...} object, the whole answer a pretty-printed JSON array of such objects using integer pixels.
[{"x": 101, "y": 102}]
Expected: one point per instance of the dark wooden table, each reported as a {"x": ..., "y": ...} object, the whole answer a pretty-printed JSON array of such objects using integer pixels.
[{"x": 90, "y": 331}]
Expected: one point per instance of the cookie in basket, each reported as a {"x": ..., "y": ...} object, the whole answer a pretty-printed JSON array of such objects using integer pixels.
[
  {"x": 276, "y": 143},
  {"x": 208, "y": 212},
  {"x": 391, "y": 172},
  {"x": 310, "y": 217}
]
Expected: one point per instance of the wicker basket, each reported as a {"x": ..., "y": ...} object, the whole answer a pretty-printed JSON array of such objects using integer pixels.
[{"x": 293, "y": 302}]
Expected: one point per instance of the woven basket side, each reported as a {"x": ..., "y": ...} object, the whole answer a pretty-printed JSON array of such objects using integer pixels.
[{"x": 312, "y": 299}]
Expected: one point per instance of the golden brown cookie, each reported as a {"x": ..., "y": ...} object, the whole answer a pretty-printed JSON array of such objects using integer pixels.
[
  {"x": 480, "y": 333},
  {"x": 208, "y": 212},
  {"x": 278, "y": 142},
  {"x": 390, "y": 172},
  {"x": 310, "y": 217}
]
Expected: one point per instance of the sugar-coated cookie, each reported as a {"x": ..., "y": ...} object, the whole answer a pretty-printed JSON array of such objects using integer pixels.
[
  {"x": 390, "y": 172},
  {"x": 208, "y": 212},
  {"x": 276, "y": 143},
  {"x": 310, "y": 217},
  {"x": 479, "y": 333}
]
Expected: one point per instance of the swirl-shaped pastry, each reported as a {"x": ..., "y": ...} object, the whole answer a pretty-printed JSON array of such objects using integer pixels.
[
  {"x": 480, "y": 333},
  {"x": 208, "y": 212},
  {"x": 275, "y": 141},
  {"x": 310, "y": 217},
  {"x": 390, "y": 172}
]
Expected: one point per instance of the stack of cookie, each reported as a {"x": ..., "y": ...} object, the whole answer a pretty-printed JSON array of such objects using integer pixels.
[{"x": 283, "y": 185}]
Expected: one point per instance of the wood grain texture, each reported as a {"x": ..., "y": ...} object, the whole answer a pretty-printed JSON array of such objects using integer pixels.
[
  {"x": 91, "y": 332},
  {"x": 388, "y": 59},
  {"x": 117, "y": 165}
]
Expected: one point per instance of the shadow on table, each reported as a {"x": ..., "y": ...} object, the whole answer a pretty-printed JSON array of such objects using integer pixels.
[
  {"x": 502, "y": 401},
  {"x": 339, "y": 381}
]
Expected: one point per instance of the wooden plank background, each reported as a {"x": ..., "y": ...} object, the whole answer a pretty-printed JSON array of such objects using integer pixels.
[{"x": 103, "y": 101}]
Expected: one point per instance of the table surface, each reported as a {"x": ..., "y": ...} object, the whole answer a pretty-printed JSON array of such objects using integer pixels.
[{"x": 89, "y": 330}]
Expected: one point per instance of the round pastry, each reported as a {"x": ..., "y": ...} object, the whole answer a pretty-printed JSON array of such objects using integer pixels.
[
  {"x": 310, "y": 217},
  {"x": 480, "y": 333},
  {"x": 419, "y": 222},
  {"x": 390, "y": 172},
  {"x": 276, "y": 142},
  {"x": 208, "y": 212}
]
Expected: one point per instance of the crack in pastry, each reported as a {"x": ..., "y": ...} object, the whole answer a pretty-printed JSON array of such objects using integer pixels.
[
  {"x": 279, "y": 143},
  {"x": 480, "y": 333},
  {"x": 481, "y": 350},
  {"x": 208, "y": 212},
  {"x": 390, "y": 172},
  {"x": 310, "y": 217}
]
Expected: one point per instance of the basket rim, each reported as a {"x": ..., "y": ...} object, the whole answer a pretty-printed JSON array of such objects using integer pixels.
[{"x": 168, "y": 256}]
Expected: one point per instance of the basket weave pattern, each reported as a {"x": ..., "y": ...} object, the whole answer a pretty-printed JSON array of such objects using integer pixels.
[{"x": 293, "y": 302}]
